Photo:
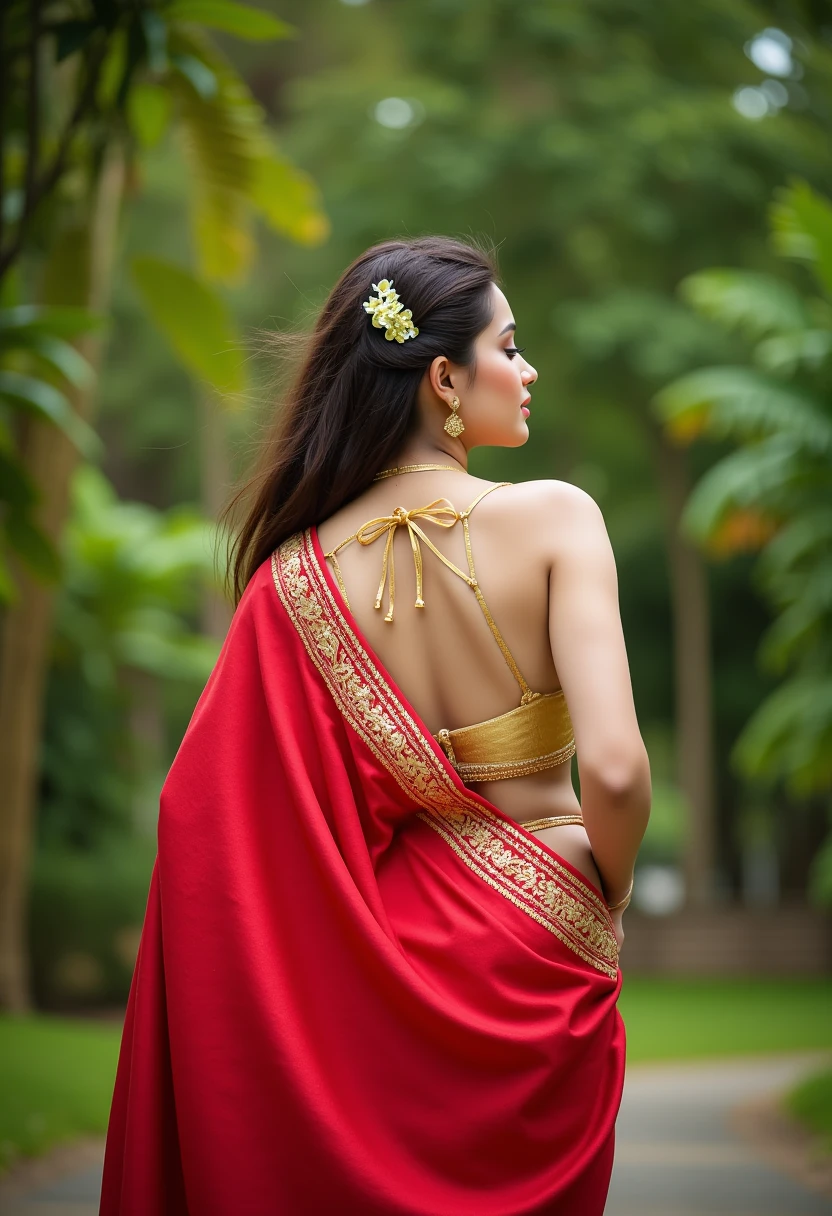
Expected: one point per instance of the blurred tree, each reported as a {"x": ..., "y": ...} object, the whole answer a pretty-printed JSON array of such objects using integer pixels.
[
  {"x": 80, "y": 90},
  {"x": 774, "y": 492}
]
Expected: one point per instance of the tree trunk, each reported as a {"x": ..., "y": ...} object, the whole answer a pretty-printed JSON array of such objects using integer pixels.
[
  {"x": 692, "y": 672},
  {"x": 26, "y": 628}
]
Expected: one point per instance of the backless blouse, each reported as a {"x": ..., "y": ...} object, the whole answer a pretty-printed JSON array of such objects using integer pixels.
[{"x": 534, "y": 736}]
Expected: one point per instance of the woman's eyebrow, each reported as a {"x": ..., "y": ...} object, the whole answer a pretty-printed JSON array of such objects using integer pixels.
[{"x": 511, "y": 325}]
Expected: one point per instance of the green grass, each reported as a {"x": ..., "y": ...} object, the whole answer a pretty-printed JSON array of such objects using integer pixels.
[
  {"x": 56, "y": 1074},
  {"x": 56, "y": 1081},
  {"x": 811, "y": 1103},
  {"x": 685, "y": 1019}
]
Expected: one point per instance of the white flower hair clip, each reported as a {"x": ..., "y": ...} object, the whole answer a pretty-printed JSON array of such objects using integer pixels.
[{"x": 389, "y": 314}]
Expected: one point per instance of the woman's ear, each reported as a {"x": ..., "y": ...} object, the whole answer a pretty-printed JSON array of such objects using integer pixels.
[{"x": 440, "y": 375}]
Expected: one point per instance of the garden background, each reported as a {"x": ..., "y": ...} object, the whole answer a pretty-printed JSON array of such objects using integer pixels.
[{"x": 180, "y": 176}]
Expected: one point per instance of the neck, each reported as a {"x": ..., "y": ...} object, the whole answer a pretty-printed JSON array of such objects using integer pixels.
[{"x": 421, "y": 451}]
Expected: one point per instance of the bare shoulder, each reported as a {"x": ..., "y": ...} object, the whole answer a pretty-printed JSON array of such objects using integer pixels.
[
  {"x": 562, "y": 497},
  {"x": 562, "y": 514},
  {"x": 551, "y": 496}
]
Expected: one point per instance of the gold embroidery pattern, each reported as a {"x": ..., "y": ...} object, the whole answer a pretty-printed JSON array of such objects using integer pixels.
[
  {"x": 500, "y": 852},
  {"x": 514, "y": 768}
]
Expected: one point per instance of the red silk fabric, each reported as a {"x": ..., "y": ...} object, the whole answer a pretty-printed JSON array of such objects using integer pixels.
[{"x": 361, "y": 989}]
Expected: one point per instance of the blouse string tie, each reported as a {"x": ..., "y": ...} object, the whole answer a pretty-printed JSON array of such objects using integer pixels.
[{"x": 439, "y": 512}]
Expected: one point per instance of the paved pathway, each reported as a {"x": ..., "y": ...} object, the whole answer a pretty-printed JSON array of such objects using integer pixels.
[{"x": 677, "y": 1153}]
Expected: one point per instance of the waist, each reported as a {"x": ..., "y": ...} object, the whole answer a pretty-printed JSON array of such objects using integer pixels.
[{"x": 525, "y": 740}]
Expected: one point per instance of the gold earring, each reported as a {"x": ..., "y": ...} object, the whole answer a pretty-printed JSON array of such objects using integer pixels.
[{"x": 454, "y": 424}]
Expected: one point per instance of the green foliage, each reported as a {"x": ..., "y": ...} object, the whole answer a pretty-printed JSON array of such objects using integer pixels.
[
  {"x": 195, "y": 320},
  {"x": 38, "y": 365},
  {"x": 133, "y": 575},
  {"x": 775, "y": 491},
  {"x": 801, "y": 221},
  {"x": 37, "y": 396},
  {"x": 241, "y": 20},
  {"x": 85, "y": 917},
  {"x": 234, "y": 165},
  {"x": 125, "y": 616},
  {"x": 131, "y": 63},
  {"x": 149, "y": 109},
  {"x": 791, "y": 734},
  {"x": 742, "y": 403},
  {"x": 87, "y": 767},
  {"x": 811, "y": 1103},
  {"x": 137, "y": 68},
  {"x": 754, "y": 304}
]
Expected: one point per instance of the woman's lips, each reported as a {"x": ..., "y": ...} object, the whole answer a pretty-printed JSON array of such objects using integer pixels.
[{"x": 523, "y": 405}]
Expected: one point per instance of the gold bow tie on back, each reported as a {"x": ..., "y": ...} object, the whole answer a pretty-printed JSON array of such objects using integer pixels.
[{"x": 439, "y": 512}]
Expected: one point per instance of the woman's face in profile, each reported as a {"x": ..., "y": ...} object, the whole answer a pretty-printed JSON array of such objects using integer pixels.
[{"x": 495, "y": 407}]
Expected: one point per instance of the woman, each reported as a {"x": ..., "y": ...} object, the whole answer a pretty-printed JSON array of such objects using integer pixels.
[{"x": 379, "y": 966}]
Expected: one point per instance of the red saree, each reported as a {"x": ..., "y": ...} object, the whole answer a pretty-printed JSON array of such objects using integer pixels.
[{"x": 361, "y": 989}]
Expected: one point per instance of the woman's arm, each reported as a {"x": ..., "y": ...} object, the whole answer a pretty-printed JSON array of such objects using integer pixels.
[{"x": 591, "y": 660}]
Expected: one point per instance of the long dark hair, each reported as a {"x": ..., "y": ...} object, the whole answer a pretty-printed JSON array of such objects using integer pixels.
[{"x": 352, "y": 404}]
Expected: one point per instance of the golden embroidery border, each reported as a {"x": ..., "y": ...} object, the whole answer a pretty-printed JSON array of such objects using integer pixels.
[{"x": 499, "y": 852}]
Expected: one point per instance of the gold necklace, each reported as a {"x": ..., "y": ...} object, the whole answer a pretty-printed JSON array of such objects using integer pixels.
[{"x": 416, "y": 468}]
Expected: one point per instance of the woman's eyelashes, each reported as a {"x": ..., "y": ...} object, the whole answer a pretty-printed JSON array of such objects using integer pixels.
[{"x": 511, "y": 351}]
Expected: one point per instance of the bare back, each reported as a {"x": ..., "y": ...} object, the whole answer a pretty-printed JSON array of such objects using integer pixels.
[{"x": 444, "y": 656}]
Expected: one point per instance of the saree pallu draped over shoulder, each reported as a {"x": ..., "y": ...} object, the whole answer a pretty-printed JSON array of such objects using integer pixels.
[{"x": 361, "y": 989}]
